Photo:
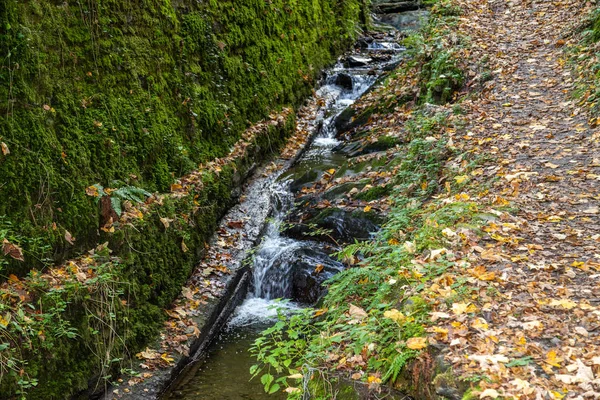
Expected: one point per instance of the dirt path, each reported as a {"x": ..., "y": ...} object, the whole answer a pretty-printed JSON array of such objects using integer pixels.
[{"x": 545, "y": 314}]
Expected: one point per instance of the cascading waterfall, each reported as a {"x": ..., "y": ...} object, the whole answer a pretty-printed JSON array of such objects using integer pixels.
[
  {"x": 279, "y": 261},
  {"x": 277, "y": 257}
]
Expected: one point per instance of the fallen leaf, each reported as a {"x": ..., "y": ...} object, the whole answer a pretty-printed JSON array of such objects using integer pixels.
[
  {"x": 416, "y": 343},
  {"x": 357, "y": 312},
  {"x": 461, "y": 178},
  {"x": 394, "y": 315},
  {"x": 69, "y": 238},
  {"x": 12, "y": 250},
  {"x": 491, "y": 393}
]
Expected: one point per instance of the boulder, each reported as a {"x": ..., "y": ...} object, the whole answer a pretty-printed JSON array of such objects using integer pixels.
[
  {"x": 405, "y": 21},
  {"x": 339, "y": 226},
  {"x": 391, "y": 6},
  {"x": 345, "y": 81},
  {"x": 358, "y": 61}
]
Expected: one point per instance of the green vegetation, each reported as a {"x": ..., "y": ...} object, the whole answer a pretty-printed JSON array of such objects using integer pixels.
[
  {"x": 129, "y": 96},
  {"x": 140, "y": 92},
  {"x": 373, "y": 320},
  {"x": 85, "y": 319},
  {"x": 585, "y": 61}
]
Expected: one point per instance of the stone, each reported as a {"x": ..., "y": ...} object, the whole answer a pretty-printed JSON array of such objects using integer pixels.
[
  {"x": 358, "y": 61},
  {"x": 405, "y": 21},
  {"x": 345, "y": 81},
  {"x": 391, "y": 6}
]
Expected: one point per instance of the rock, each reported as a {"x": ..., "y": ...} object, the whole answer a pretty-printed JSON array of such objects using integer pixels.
[
  {"x": 357, "y": 148},
  {"x": 345, "y": 81},
  {"x": 364, "y": 42},
  {"x": 343, "y": 122},
  {"x": 358, "y": 61},
  {"x": 298, "y": 273},
  {"x": 339, "y": 226},
  {"x": 312, "y": 269},
  {"x": 406, "y": 21},
  {"x": 391, "y": 6}
]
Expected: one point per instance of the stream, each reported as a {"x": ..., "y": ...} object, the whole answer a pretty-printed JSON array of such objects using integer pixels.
[{"x": 284, "y": 266}]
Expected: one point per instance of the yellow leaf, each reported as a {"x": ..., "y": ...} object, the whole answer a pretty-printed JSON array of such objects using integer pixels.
[
  {"x": 491, "y": 393},
  {"x": 482, "y": 274},
  {"x": 553, "y": 359},
  {"x": 461, "y": 178},
  {"x": 319, "y": 312},
  {"x": 367, "y": 209},
  {"x": 564, "y": 303},
  {"x": 166, "y": 358},
  {"x": 416, "y": 343},
  {"x": 394, "y": 315},
  {"x": 462, "y": 197},
  {"x": 480, "y": 323},
  {"x": 331, "y": 171},
  {"x": 4, "y": 321},
  {"x": 459, "y": 308}
]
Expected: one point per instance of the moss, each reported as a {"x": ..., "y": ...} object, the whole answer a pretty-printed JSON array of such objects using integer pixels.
[
  {"x": 150, "y": 269},
  {"x": 374, "y": 193},
  {"x": 141, "y": 92}
]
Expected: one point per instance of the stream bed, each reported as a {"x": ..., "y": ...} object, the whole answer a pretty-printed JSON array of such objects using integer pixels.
[{"x": 288, "y": 266}]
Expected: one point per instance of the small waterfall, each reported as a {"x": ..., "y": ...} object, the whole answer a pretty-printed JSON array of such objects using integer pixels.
[
  {"x": 280, "y": 261},
  {"x": 272, "y": 269}
]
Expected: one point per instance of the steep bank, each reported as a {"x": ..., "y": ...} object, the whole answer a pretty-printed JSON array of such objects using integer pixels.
[
  {"x": 132, "y": 124},
  {"x": 136, "y": 94}
]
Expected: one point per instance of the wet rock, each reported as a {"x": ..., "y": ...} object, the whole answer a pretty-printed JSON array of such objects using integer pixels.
[
  {"x": 334, "y": 225},
  {"x": 406, "y": 21},
  {"x": 357, "y": 148},
  {"x": 364, "y": 42},
  {"x": 345, "y": 81},
  {"x": 300, "y": 181},
  {"x": 394, "y": 6},
  {"x": 298, "y": 273},
  {"x": 343, "y": 189},
  {"x": 349, "y": 119},
  {"x": 358, "y": 61},
  {"x": 312, "y": 268}
]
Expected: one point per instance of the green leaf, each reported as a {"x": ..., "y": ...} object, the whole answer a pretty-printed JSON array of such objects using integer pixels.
[
  {"x": 520, "y": 362},
  {"x": 253, "y": 369},
  {"x": 266, "y": 380},
  {"x": 274, "y": 388},
  {"x": 115, "y": 202}
]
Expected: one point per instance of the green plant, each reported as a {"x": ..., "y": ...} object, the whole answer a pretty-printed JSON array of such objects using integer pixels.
[{"x": 119, "y": 196}]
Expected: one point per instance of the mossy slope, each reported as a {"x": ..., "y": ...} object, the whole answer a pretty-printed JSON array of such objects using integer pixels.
[{"x": 136, "y": 93}]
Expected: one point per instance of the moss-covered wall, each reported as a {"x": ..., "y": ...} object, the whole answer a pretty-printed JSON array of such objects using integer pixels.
[
  {"x": 137, "y": 92},
  {"x": 119, "y": 308}
]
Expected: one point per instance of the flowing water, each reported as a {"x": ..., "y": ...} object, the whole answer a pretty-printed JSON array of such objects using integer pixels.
[{"x": 280, "y": 260}]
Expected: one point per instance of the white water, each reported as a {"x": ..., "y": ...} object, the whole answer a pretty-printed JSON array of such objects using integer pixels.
[{"x": 273, "y": 268}]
